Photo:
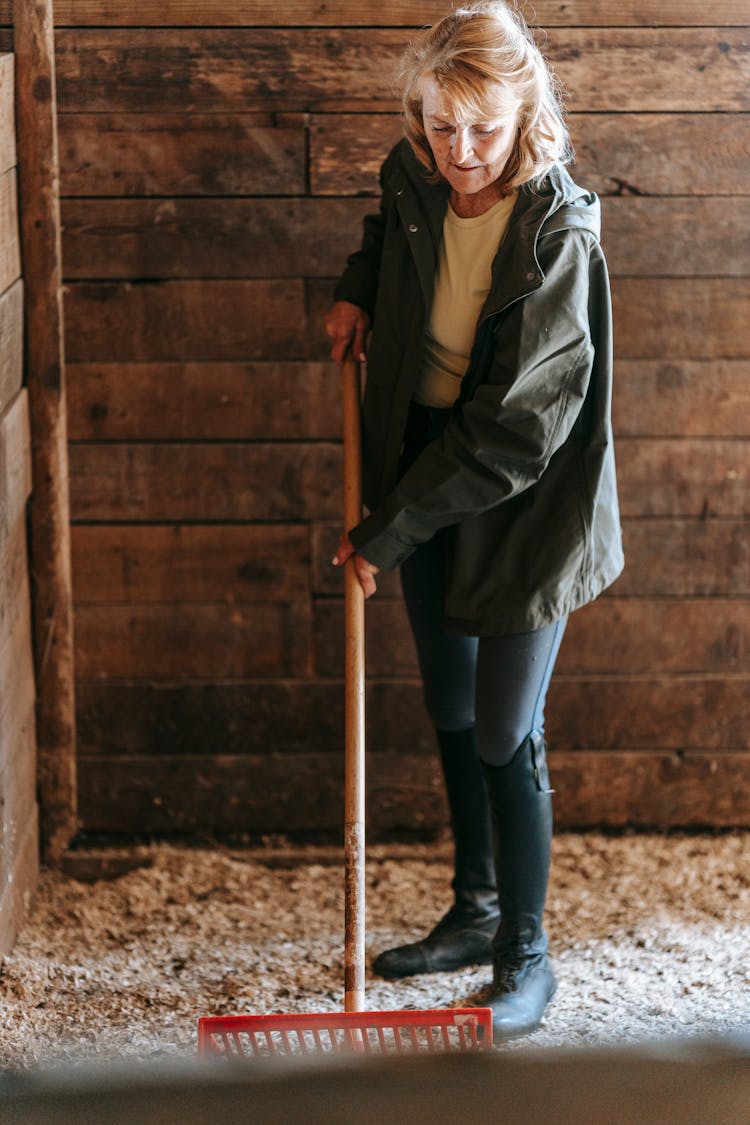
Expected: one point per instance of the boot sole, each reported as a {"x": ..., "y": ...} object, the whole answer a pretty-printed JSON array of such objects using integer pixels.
[{"x": 430, "y": 970}]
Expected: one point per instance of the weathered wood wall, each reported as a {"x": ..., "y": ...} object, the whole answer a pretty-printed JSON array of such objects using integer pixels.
[
  {"x": 18, "y": 807},
  {"x": 215, "y": 168}
]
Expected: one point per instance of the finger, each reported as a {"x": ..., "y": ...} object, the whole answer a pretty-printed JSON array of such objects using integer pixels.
[
  {"x": 336, "y": 353},
  {"x": 368, "y": 583},
  {"x": 344, "y": 551},
  {"x": 358, "y": 346},
  {"x": 339, "y": 350},
  {"x": 343, "y": 342},
  {"x": 335, "y": 325},
  {"x": 366, "y": 574}
]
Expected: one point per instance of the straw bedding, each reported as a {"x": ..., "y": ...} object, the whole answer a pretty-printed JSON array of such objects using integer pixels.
[{"x": 650, "y": 935}]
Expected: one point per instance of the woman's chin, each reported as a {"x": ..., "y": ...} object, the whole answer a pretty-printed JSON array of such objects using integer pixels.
[{"x": 467, "y": 181}]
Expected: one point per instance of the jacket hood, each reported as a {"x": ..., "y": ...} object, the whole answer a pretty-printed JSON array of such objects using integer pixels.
[
  {"x": 555, "y": 205},
  {"x": 568, "y": 206},
  {"x": 558, "y": 201}
]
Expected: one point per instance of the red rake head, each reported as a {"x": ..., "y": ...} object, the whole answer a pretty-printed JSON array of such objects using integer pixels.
[{"x": 373, "y": 1033}]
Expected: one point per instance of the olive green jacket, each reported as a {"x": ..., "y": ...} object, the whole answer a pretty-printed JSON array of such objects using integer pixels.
[{"x": 524, "y": 473}]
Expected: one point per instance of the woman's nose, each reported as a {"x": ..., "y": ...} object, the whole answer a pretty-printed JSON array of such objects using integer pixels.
[{"x": 461, "y": 145}]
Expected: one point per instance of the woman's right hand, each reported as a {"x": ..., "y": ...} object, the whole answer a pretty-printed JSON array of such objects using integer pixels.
[
  {"x": 348, "y": 326},
  {"x": 364, "y": 570}
]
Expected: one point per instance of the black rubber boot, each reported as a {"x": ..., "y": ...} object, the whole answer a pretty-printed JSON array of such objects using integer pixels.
[
  {"x": 464, "y": 936},
  {"x": 521, "y": 802}
]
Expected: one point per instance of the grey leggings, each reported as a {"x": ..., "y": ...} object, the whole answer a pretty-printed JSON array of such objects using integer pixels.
[{"x": 498, "y": 684}]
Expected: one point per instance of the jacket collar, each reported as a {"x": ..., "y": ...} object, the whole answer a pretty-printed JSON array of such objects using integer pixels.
[
  {"x": 557, "y": 204},
  {"x": 554, "y": 205},
  {"x": 421, "y": 207}
]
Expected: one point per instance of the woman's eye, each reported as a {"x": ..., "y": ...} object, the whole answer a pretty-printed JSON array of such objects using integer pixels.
[{"x": 484, "y": 132}]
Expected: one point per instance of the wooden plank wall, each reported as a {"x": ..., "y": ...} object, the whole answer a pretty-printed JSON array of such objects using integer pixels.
[
  {"x": 18, "y": 807},
  {"x": 215, "y": 168}
]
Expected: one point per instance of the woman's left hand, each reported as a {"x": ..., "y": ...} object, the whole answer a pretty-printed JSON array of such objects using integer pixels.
[{"x": 365, "y": 571}]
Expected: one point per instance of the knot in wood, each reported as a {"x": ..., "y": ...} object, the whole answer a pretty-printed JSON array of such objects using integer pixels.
[{"x": 42, "y": 88}]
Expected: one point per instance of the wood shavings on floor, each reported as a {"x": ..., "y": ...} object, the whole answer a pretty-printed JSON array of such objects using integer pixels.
[{"x": 650, "y": 936}]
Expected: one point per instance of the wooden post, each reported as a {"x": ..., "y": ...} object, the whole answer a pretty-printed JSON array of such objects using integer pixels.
[{"x": 45, "y": 375}]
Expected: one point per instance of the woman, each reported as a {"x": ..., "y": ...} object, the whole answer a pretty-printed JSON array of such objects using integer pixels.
[{"x": 489, "y": 469}]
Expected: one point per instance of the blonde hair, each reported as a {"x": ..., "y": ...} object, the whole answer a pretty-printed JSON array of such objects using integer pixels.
[{"x": 478, "y": 46}]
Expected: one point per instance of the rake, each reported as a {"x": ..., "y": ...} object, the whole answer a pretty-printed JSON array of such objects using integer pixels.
[{"x": 354, "y": 1029}]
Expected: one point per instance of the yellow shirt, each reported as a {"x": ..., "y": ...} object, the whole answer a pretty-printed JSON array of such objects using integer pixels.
[{"x": 462, "y": 283}]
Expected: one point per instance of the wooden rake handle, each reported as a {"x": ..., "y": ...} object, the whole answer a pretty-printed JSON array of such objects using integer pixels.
[{"x": 354, "y": 708}]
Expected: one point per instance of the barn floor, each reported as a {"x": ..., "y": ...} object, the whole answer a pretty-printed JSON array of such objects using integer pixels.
[{"x": 650, "y": 934}]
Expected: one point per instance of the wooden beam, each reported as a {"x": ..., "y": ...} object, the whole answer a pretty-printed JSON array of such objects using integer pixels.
[
  {"x": 7, "y": 114},
  {"x": 666, "y": 557},
  {"x": 16, "y": 894},
  {"x": 718, "y": 628},
  {"x": 142, "y": 641},
  {"x": 285, "y": 401},
  {"x": 648, "y": 154},
  {"x": 292, "y": 400},
  {"x": 17, "y": 675},
  {"x": 698, "y": 477},
  {"x": 181, "y": 154},
  {"x": 681, "y": 398},
  {"x": 712, "y": 635},
  {"x": 152, "y": 718},
  {"x": 261, "y": 793},
  {"x": 50, "y": 531},
  {"x": 220, "y": 70},
  {"x": 661, "y": 320},
  {"x": 190, "y": 565},
  {"x": 244, "y": 238},
  {"x": 18, "y": 786},
  {"x": 188, "y": 320},
  {"x": 10, "y": 251},
  {"x": 393, "y": 13},
  {"x": 688, "y": 478},
  {"x": 15, "y": 468},
  {"x": 685, "y": 558},
  {"x": 187, "y": 642},
  {"x": 205, "y": 481},
  {"x": 11, "y": 344},
  {"x": 235, "y": 238},
  {"x": 14, "y": 571}
]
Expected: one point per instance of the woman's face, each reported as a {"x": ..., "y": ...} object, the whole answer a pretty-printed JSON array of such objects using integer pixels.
[{"x": 469, "y": 155}]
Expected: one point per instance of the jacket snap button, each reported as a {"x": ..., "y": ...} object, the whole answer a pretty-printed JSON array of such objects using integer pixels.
[
  {"x": 413, "y": 228},
  {"x": 531, "y": 276}
]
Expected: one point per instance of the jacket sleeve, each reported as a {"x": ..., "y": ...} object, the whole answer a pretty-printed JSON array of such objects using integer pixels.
[
  {"x": 359, "y": 282},
  {"x": 505, "y": 434}
]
